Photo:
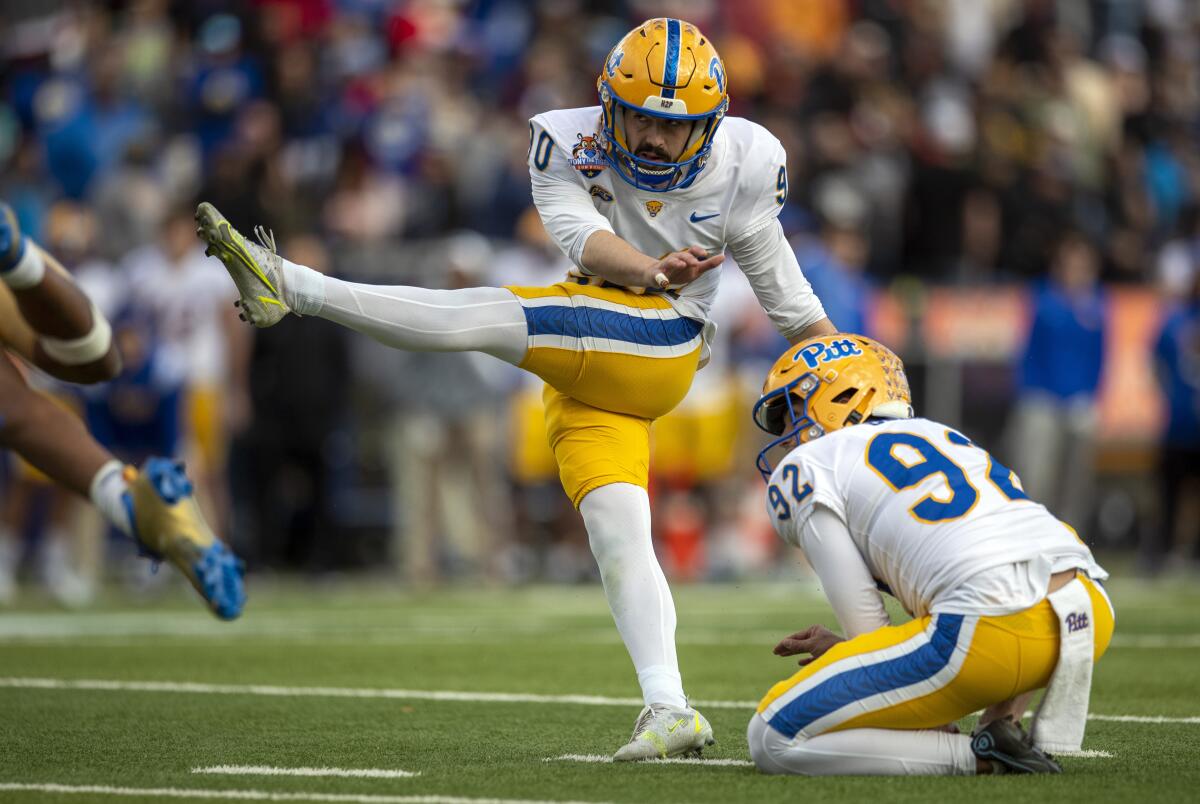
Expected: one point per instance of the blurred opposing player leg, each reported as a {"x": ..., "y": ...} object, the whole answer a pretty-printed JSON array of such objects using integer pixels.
[
  {"x": 154, "y": 506},
  {"x": 45, "y": 317}
]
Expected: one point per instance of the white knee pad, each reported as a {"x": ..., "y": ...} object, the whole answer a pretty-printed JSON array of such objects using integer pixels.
[
  {"x": 762, "y": 740},
  {"x": 775, "y": 753}
]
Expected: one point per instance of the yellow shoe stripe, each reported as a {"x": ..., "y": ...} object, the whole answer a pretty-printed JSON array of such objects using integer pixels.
[
  {"x": 266, "y": 300},
  {"x": 240, "y": 253},
  {"x": 656, "y": 741}
]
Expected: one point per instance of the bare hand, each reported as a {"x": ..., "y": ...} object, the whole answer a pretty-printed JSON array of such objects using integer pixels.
[
  {"x": 682, "y": 267},
  {"x": 814, "y": 640}
]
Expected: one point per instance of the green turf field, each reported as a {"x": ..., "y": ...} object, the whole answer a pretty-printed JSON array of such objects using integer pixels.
[{"x": 351, "y": 677}]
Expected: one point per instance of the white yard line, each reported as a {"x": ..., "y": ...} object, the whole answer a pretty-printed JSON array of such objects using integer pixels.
[
  {"x": 140, "y": 628},
  {"x": 266, "y": 770},
  {"x": 1142, "y": 719},
  {"x": 1155, "y": 641},
  {"x": 601, "y": 759},
  {"x": 256, "y": 795},
  {"x": 269, "y": 690},
  {"x": 321, "y": 692}
]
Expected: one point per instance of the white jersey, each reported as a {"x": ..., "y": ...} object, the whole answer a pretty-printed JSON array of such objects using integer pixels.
[
  {"x": 189, "y": 302},
  {"x": 734, "y": 203},
  {"x": 935, "y": 520}
]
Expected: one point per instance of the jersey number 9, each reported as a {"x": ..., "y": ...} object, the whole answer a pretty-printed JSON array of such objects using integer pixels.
[{"x": 900, "y": 475}]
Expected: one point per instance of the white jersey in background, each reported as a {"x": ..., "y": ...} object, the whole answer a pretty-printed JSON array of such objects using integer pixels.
[
  {"x": 914, "y": 507},
  {"x": 189, "y": 303},
  {"x": 733, "y": 204}
]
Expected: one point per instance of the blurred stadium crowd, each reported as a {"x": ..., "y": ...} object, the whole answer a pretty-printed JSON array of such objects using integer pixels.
[{"x": 964, "y": 173}]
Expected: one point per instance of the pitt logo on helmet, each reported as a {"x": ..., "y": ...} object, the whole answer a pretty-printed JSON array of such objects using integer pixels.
[
  {"x": 667, "y": 69},
  {"x": 802, "y": 401},
  {"x": 814, "y": 354}
]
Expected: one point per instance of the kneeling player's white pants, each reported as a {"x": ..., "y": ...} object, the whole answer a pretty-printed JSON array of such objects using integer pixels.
[{"x": 860, "y": 752}]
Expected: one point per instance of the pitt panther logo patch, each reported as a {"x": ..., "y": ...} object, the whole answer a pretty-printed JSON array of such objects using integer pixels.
[
  {"x": 587, "y": 157},
  {"x": 1077, "y": 622},
  {"x": 815, "y": 354},
  {"x": 654, "y": 207},
  {"x": 599, "y": 192}
]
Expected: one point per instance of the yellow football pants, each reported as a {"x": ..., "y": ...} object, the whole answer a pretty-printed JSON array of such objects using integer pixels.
[
  {"x": 928, "y": 672},
  {"x": 613, "y": 361}
]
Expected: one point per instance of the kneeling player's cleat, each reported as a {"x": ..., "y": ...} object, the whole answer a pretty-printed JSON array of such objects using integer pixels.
[
  {"x": 168, "y": 525},
  {"x": 663, "y": 731},
  {"x": 257, "y": 270},
  {"x": 1006, "y": 745}
]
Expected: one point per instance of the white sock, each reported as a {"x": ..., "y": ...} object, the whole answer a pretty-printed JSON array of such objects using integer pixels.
[
  {"x": 107, "y": 491},
  {"x": 861, "y": 752},
  {"x": 617, "y": 517},
  {"x": 28, "y": 271},
  {"x": 303, "y": 289},
  {"x": 487, "y": 320}
]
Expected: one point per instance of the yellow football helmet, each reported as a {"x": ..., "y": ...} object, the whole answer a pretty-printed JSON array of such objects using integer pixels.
[
  {"x": 663, "y": 68},
  {"x": 827, "y": 383}
]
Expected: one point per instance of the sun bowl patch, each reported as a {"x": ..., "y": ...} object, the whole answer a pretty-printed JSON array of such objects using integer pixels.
[
  {"x": 587, "y": 157},
  {"x": 654, "y": 207}
]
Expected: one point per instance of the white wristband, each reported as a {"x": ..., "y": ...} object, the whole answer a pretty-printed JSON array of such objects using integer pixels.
[
  {"x": 28, "y": 271},
  {"x": 80, "y": 351}
]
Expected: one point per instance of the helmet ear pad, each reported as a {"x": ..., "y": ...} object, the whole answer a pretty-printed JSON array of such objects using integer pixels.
[{"x": 849, "y": 406}]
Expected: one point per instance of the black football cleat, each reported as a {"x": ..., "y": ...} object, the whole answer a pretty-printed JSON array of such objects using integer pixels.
[{"x": 1006, "y": 745}]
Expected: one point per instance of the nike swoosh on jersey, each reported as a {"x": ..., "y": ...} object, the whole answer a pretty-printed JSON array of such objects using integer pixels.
[{"x": 697, "y": 218}]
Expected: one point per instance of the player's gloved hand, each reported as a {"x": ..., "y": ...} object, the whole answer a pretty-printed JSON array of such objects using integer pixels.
[
  {"x": 815, "y": 640},
  {"x": 681, "y": 267}
]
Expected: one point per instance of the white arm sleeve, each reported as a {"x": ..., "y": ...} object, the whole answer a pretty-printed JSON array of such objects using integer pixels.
[
  {"x": 566, "y": 209},
  {"x": 767, "y": 260},
  {"x": 844, "y": 575}
]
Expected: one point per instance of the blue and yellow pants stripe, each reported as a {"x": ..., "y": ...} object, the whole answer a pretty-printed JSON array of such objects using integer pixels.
[
  {"x": 926, "y": 673},
  {"x": 613, "y": 361}
]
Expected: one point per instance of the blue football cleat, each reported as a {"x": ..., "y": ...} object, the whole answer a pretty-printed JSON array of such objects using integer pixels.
[
  {"x": 12, "y": 245},
  {"x": 168, "y": 525}
]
